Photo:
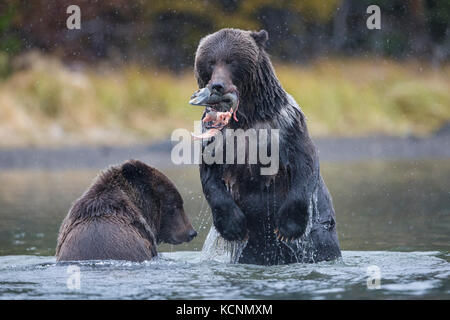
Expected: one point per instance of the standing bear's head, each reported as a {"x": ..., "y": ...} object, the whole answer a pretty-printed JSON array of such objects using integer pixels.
[{"x": 233, "y": 59}]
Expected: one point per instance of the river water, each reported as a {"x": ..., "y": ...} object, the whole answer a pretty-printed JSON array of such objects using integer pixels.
[{"x": 392, "y": 216}]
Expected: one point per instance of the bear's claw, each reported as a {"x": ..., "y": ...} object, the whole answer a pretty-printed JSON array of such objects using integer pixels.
[{"x": 280, "y": 237}]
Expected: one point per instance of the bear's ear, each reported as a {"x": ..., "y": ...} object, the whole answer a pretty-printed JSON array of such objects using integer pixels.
[
  {"x": 260, "y": 37},
  {"x": 132, "y": 171}
]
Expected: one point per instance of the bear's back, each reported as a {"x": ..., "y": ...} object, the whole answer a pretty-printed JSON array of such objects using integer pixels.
[
  {"x": 104, "y": 224},
  {"x": 104, "y": 238}
]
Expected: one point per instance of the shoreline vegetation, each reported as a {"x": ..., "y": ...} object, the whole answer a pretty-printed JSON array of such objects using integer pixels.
[{"x": 44, "y": 103}]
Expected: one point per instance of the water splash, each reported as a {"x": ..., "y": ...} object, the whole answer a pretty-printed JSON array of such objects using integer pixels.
[
  {"x": 216, "y": 248},
  {"x": 304, "y": 244},
  {"x": 183, "y": 275}
]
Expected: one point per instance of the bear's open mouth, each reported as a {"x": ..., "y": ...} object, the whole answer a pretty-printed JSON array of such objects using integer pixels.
[{"x": 219, "y": 110}]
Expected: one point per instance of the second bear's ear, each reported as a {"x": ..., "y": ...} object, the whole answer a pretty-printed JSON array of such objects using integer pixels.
[
  {"x": 260, "y": 37},
  {"x": 132, "y": 172}
]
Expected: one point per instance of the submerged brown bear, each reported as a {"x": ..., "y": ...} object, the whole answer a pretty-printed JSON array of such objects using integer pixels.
[
  {"x": 282, "y": 218},
  {"x": 126, "y": 212}
]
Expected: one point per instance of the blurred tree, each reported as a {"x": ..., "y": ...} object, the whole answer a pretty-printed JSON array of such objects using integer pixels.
[
  {"x": 9, "y": 38},
  {"x": 166, "y": 32}
]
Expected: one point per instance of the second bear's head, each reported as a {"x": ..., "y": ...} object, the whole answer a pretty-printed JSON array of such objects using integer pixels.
[{"x": 159, "y": 200}]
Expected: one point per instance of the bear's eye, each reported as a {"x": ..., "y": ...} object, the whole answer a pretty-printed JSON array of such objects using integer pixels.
[{"x": 229, "y": 61}]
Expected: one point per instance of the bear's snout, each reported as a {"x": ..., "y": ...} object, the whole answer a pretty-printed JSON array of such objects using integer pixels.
[
  {"x": 220, "y": 81},
  {"x": 218, "y": 86},
  {"x": 192, "y": 234},
  {"x": 186, "y": 236}
]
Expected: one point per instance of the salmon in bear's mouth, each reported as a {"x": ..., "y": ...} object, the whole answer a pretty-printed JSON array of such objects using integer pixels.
[{"x": 219, "y": 109}]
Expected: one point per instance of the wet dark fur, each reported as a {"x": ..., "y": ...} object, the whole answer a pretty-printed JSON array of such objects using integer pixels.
[
  {"x": 245, "y": 203},
  {"x": 123, "y": 215}
]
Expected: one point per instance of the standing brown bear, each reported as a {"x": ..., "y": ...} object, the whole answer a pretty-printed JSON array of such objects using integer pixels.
[
  {"x": 126, "y": 212},
  {"x": 286, "y": 216}
]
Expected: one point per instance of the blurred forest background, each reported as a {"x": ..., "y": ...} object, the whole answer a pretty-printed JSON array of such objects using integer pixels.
[{"x": 127, "y": 74}]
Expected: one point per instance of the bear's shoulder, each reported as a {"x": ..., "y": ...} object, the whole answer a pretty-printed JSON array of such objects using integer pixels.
[{"x": 105, "y": 197}]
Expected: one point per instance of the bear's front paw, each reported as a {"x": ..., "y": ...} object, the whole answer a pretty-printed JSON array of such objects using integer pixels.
[
  {"x": 291, "y": 221},
  {"x": 230, "y": 222}
]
